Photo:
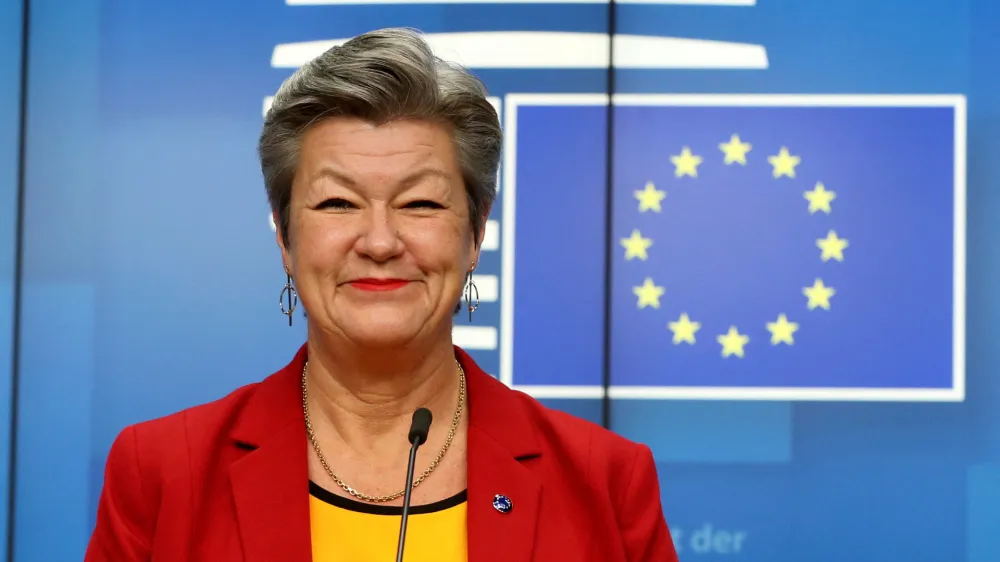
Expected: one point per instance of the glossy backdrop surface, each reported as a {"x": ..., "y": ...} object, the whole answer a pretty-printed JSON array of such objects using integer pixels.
[{"x": 151, "y": 276}]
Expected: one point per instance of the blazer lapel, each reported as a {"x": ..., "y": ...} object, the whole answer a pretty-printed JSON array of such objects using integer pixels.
[
  {"x": 495, "y": 536},
  {"x": 502, "y": 454},
  {"x": 271, "y": 483}
]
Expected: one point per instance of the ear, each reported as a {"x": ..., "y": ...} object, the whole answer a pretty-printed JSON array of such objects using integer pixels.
[
  {"x": 477, "y": 243},
  {"x": 286, "y": 257}
]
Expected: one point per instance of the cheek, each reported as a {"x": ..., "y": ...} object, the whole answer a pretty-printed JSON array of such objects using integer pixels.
[
  {"x": 438, "y": 246},
  {"x": 322, "y": 245}
]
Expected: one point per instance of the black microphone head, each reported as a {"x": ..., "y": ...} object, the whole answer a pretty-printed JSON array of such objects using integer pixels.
[{"x": 421, "y": 425}]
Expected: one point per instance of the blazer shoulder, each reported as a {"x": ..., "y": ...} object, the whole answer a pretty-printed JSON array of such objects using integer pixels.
[
  {"x": 614, "y": 467},
  {"x": 201, "y": 418},
  {"x": 169, "y": 446},
  {"x": 144, "y": 464}
]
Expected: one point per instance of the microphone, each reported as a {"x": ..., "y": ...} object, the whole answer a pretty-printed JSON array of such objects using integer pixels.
[{"x": 419, "y": 428}]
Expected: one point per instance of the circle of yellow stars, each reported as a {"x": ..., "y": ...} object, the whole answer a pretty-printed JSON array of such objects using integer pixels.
[{"x": 783, "y": 165}]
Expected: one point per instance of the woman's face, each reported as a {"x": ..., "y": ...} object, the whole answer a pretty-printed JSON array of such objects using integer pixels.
[{"x": 380, "y": 241}]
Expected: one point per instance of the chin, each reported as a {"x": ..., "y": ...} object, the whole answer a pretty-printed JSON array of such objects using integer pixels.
[
  {"x": 382, "y": 329},
  {"x": 382, "y": 337}
]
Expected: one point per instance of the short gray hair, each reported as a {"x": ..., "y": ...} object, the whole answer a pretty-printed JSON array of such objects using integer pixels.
[{"x": 381, "y": 76}]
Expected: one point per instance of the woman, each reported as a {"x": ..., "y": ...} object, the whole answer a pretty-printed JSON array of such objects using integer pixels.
[{"x": 380, "y": 163}]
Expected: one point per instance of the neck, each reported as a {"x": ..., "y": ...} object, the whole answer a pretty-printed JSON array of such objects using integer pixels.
[{"x": 365, "y": 395}]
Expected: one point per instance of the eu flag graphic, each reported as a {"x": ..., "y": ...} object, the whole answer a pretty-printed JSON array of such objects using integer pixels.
[{"x": 795, "y": 249}]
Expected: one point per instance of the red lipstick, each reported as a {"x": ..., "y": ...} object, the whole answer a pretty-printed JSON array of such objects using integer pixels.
[{"x": 379, "y": 284}]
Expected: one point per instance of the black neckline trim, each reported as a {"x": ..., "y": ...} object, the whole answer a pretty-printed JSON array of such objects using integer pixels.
[{"x": 329, "y": 497}]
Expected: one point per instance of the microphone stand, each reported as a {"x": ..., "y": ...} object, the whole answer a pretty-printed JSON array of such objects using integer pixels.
[{"x": 418, "y": 436}]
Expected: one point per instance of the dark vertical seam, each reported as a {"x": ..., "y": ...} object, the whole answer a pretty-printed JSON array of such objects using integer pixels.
[
  {"x": 609, "y": 246},
  {"x": 15, "y": 367}
]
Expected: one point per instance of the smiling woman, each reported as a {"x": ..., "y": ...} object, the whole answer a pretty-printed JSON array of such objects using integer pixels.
[
  {"x": 380, "y": 162},
  {"x": 390, "y": 241}
]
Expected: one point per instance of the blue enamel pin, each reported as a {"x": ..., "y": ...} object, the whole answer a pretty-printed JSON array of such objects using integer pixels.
[{"x": 502, "y": 503}]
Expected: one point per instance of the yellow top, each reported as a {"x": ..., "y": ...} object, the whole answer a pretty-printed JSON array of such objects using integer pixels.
[{"x": 347, "y": 529}]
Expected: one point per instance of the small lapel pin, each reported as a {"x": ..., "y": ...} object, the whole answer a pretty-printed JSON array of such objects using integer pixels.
[{"x": 502, "y": 503}]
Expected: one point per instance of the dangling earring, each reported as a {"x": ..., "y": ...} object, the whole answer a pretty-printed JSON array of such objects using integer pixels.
[
  {"x": 293, "y": 298},
  {"x": 470, "y": 290}
]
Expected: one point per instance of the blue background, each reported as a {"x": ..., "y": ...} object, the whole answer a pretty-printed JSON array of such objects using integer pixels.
[{"x": 150, "y": 276}]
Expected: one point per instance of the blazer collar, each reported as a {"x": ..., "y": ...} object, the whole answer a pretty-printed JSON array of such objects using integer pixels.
[
  {"x": 275, "y": 403},
  {"x": 270, "y": 483},
  {"x": 497, "y": 411},
  {"x": 502, "y": 458}
]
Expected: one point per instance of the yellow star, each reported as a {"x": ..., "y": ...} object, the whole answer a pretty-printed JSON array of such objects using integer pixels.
[
  {"x": 649, "y": 294},
  {"x": 636, "y": 246},
  {"x": 832, "y": 247},
  {"x": 649, "y": 198},
  {"x": 684, "y": 329},
  {"x": 686, "y": 164},
  {"x": 732, "y": 342},
  {"x": 784, "y": 163},
  {"x": 819, "y": 199},
  {"x": 782, "y": 330},
  {"x": 819, "y": 295},
  {"x": 736, "y": 150}
]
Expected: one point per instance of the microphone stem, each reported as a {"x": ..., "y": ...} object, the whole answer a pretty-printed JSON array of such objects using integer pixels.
[{"x": 406, "y": 498}]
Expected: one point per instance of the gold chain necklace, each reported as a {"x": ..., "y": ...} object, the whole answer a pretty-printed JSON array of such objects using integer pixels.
[{"x": 381, "y": 499}]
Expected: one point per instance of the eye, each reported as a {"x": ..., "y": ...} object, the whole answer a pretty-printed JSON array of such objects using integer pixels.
[
  {"x": 335, "y": 203},
  {"x": 423, "y": 204}
]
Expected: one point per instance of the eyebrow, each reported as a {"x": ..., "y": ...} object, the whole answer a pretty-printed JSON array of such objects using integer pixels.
[{"x": 407, "y": 181}]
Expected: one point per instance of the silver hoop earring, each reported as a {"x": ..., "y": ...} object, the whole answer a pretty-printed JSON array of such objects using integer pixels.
[
  {"x": 288, "y": 291},
  {"x": 470, "y": 290}
]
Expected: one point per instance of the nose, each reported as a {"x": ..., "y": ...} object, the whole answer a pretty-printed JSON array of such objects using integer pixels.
[{"x": 379, "y": 239}]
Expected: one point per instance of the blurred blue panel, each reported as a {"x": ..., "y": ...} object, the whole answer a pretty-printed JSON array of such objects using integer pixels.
[
  {"x": 10, "y": 97},
  {"x": 55, "y": 385},
  {"x": 60, "y": 301},
  {"x": 881, "y": 473},
  {"x": 983, "y": 513},
  {"x": 984, "y": 228},
  {"x": 716, "y": 511},
  {"x": 590, "y": 410},
  {"x": 707, "y": 432},
  {"x": 559, "y": 272},
  {"x": 848, "y": 46}
]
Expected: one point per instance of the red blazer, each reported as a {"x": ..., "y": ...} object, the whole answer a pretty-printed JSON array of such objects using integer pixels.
[{"x": 228, "y": 481}]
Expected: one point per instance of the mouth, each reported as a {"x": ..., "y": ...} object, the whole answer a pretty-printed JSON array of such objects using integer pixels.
[{"x": 379, "y": 284}]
